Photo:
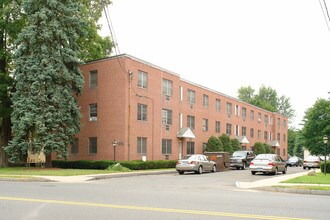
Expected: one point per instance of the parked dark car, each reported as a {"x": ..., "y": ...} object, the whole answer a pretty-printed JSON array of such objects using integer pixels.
[
  {"x": 294, "y": 161},
  {"x": 241, "y": 159}
]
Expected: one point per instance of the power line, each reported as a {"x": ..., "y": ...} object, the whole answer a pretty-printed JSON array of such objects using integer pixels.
[
  {"x": 325, "y": 13},
  {"x": 112, "y": 34}
]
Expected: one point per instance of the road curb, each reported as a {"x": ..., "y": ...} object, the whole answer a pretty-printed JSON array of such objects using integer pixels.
[
  {"x": 119, "y": 175},
  {"x": 294, "y": 190}
]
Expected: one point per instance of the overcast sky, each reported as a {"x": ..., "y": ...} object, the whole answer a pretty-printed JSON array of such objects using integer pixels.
[{"x": 227, "y": 44}]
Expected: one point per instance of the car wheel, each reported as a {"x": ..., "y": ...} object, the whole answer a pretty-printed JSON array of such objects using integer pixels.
[
  {"x": 181, "y": 172},
  {"x": 200, "y": 169},
  {"x": 214, "y": 169},
  {"x": 304, "y": 168},
  {"x": 253, "y": 172},
  {"x": 244, "y": 166},
  {"x": 284, "y": 171},
  {"x": 276, "y": 171}
]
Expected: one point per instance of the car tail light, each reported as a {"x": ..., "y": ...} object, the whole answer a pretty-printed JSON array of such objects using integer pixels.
[
  {"x": 305, "y": 161},
  {"x": 251, "y": 163},
  {"x": 271, "y": 164},
  {"x": 177, "y": 162},
  {"x": 192, "y": 162}
]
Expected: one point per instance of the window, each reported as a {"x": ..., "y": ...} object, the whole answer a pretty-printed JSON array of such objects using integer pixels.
[
  {"x": 93, "y": 112},
  {"x": 252, "y": 115},
  {"x": 167, "y": 116},
  {"x": 284, "y": 137},
  {"x": 218, "y": 105},
  {"x": 191, "y": 122},
  {"x": 237, "y": 130},
  {"x": 228, "y": 129},
  {"x": 217, "y": 126},
  {"x": 270, "y": 136},
  {"x": 181, "y": 93},
  {"x": 205, "y": 124},
  {"x": 278, "y": 137},
  {"x": 259, "y": 117},
  {"x": 278, "y": 123},
  {"x": 142, "y": 112},
  {"x": 74, "y": 146},
  {"x": 142, "y": 145},
  {"x": 236, "y": 110},
  {"x": 166, "y": 146},
  {"x": 259, "y": 134},
  {"x": 229, "y": 106},
  {"x": 243, "y": 131},
  {"x": 205, "y": 101},
  {"x": 142, "y": 79},
  {"x": 93, "y": 79},
  {"x": 244, "y": 112},
  {"x": 190, "y": 147},
  {"x": 191, "y": 97},
  {"x": 265, "y": 135},
  {"x": 284, "y": 123},
  {"x": 167, "y": 87},
  {"x": 266, "y": 120},
  {"x": 92, "y": 145},
  {"x": 251, "y": 132},
  {"x": 271, "y": 120}
]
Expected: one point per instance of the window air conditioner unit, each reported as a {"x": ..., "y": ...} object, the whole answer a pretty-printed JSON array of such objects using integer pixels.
[
  {"x": 93, "y": 119},
  {"x": 167, "y": 127},
  {"x": 167, "y": 97}
]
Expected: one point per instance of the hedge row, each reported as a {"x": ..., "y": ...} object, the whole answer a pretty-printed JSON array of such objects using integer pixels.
[
  {"x": 327, "y": 167},
  {"x": 104, "y": 164}
]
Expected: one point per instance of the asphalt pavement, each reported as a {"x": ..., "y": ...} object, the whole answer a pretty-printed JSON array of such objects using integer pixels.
[{"x": 268, "y": 184}]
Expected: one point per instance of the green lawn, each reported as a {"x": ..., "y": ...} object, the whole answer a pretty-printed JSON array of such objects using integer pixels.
[
  {"x": 319, "y": 178},
  {"x": 28, "y": 171}
]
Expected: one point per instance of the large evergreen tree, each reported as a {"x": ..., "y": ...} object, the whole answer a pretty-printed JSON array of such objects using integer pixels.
[
  {"x": 47, "y": 78},
  {"x": 12, "y": 19}
]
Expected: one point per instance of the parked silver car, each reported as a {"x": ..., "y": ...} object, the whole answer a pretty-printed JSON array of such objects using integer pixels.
[
  {"x": 198, "y": 163},
  {"x": 312, "y": 162},
  {"x": 268, "y": 163}
]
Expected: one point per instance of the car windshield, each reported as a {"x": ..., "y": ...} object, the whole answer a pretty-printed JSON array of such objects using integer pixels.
[
  {"x": 190, "y": 157},
  {"x": 264, "y": 157},
  {"x": 312, "y": 158},
  {"x": 239, "y": 154},
  {"x": 293, "y": 159}
]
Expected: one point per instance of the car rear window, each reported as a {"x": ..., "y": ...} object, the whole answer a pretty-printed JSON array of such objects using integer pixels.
[{"x": 264, "y": 157}]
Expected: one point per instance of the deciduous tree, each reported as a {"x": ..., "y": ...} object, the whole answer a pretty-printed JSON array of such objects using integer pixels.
[{"x": 316, "y": 125}]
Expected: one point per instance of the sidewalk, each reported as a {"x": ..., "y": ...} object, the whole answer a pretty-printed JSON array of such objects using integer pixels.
[
  {"x": 85, "y": 178},
  {"x": 274, "y": 184}
]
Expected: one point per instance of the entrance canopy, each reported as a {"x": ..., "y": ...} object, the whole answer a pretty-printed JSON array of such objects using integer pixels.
[
  {"x": 274, "y": 143},
  {"x": 185, "y": 133},
  {"x": 243, "y": 139}
]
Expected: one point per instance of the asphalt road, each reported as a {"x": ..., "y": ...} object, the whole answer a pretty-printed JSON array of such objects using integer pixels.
[{"x": 168, "y": 196}]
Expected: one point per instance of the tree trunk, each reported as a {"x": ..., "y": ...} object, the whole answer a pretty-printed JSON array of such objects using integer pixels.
[
  {"x": 48, "y": 160},
  {"x": 4, "y": 139}
]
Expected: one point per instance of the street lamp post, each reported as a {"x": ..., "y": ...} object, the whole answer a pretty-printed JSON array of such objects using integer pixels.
[
  {"x": 325, "y": 141},
  {"x": 114, "y": 144}
]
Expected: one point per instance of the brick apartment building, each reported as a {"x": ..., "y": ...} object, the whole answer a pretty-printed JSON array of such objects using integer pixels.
[{"x": 153, "y": 114}]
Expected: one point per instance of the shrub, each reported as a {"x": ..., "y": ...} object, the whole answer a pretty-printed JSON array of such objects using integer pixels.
[
  {"x": 259, "y": 148},
  {"x": 213, "y": 145},
  {"x": 104, "y": 164},
  {"x": 118, "y": 167},
  {"x": 327, "y": 167}
]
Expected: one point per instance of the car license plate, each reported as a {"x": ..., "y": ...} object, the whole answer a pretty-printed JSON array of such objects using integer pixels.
[{"x": 259, "y": 169}]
